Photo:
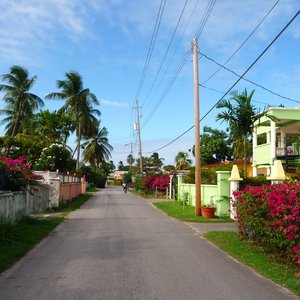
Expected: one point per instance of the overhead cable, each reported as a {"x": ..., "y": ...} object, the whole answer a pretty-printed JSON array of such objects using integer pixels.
[
  {"x": 236, "y": 82},
  {"x": 184, "y": 59},
  {"x": 152, "y": 43},
  {"x": 244, "y": 42},
  {"x": 248, "y": 80}
]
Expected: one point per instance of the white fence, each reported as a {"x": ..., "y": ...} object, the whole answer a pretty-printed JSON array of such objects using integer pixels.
[
  {"x": 64, "y": 178},
  {"x": 14, "y": 205}
]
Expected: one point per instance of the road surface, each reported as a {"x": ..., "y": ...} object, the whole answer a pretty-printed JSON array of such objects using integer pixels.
[{"x": 118, "y": 246}]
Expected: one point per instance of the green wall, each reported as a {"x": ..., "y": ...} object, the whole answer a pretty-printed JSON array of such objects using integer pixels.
[{"x": 219, "y": 193}]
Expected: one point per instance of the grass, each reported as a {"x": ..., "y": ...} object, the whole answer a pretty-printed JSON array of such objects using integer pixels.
[
  {"x": 186, "y": 214},
  {"x": 252, "y": 255},
  {"x": 16, "y": 239}
]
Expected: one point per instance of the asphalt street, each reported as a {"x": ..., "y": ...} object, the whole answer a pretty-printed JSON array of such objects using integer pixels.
[{"x": 119, "y": 246}]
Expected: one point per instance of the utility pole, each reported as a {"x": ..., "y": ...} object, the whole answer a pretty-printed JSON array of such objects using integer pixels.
[
  {"x": 139, "y": 135},
  {"x": 197, "y": 130}
]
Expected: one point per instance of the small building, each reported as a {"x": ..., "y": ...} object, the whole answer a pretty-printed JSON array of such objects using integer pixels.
[{"x": 276, "y": 136}]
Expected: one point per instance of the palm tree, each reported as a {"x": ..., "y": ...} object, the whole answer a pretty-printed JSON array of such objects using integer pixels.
[
  {"x": 79, "y": 101},
  {"x": 97, "y": 149},
  {"x": 20, "y": 103},
  {"x": 240, "y": 118},
  {"x": 182, "y": 161}
]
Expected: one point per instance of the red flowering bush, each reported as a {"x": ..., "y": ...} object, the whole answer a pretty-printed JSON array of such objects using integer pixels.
[
  {"x": 15, "y": 174},
  {"x": 161, "y": 183},
  {"x": 270, "y": 216},
  {"x": 153, "y": 181}
]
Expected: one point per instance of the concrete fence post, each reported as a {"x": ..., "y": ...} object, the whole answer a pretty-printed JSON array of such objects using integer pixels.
[{"x": 234, "y": 180}]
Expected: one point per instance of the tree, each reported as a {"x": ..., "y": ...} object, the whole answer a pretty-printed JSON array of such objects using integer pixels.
[
  {"x": 20, "y": 103},
  {"x": 182, "y": 161},
  {"x": 79, "y": 101},
  {"x": 97, "y": 148},
  {"x": 214, "y": 146},
  {"x": 120, "y": 166},
  {"x": 240, "y": 118},
  {"x": 130, "y": 160}
]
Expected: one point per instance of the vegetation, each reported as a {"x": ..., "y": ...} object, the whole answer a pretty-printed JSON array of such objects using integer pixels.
[
  {"x": 78, "y": 102},
  {"x": 270, "y": 217},
  {"x": 15, "y": 174},
  {"x": 215, "y": 146},
  {"x": 186, "y": 213},
  {"x": 20, "y": 103},
  {"x": 240, "y": 118},
  {"x": 182, "y": 161},
  {"x": 252, "y": 255}
]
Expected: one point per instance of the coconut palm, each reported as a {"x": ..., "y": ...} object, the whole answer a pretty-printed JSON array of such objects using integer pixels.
[
  {"x": 240, "y": 116},
  {"x": 182, "y": 161},
  {"x": 20, "y": 103},
  {"x": 77, "y": 100},
  {"x": 97, "y": 148}
]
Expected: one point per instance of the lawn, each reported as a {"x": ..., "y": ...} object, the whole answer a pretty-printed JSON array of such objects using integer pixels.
[
  {"x": 16, "y": 239},
  {"x": 187, "y": 213},
  {"x": 251, "y": 255}
]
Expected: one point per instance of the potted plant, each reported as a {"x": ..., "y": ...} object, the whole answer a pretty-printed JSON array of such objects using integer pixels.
[{"x": 208, "y": 210}]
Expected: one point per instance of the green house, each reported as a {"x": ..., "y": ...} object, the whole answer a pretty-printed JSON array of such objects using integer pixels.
[{"x": 276, "y": 136}]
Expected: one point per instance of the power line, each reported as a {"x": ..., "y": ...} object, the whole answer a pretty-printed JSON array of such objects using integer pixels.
[
  {"x": 247, "y": 70},
  {"x": 184, "y": 59},
  {"x": 152, "y": 43},
  {"x": 176, "y": 47},
  {"x": 244, "y": 42},
  {"x": 168, "y": 48},
  {"x": 248, "y": 80},
  {"x": 220, "y": 92}
]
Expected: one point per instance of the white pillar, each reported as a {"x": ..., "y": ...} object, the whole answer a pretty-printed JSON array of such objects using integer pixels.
[
  {"x": 282, "y": 141},
  {"x": 254, "y": 145},
  {"x": 273, "y": 140},
  {"x": 254, "y": 171}
]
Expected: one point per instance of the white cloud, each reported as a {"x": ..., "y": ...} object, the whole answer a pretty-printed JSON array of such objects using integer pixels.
[{"x": 113, "y": 103}]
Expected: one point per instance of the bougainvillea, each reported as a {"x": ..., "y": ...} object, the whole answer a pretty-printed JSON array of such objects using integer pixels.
[
  {"x": 15, "y": 174},
  {"x": 270, "y": 216},
  {"x": 153, "y": 182}
]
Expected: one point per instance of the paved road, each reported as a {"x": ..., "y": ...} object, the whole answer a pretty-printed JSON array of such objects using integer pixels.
[{"x": 119, "y": 246}]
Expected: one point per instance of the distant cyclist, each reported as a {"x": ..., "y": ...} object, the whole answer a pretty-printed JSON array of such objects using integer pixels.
[{"x": 125, "y": 187}]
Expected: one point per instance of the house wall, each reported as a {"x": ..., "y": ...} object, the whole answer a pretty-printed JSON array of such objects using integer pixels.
[{"x": 219, "y": 194}]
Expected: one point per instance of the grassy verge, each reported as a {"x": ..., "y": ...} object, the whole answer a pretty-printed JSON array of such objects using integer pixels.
[
  {"x": 251, "y": 255},
  {"x": 16, "y": 239},
  {"x": 186, "y": 214}
]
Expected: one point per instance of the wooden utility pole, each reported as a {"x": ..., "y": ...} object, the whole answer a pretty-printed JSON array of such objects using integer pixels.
[
  {"x": 197, "y": 131},
  {"x": 139, "y": 135}
]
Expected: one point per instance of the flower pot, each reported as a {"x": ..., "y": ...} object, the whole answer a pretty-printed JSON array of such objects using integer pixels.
[{"x": 208, "y": 212}]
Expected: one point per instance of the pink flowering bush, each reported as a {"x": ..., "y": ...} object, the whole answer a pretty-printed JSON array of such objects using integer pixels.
[
  {"x": 270, "y": 216},
  {"x": 153, "y": 181},
  {"x": 15, "y": 174}
]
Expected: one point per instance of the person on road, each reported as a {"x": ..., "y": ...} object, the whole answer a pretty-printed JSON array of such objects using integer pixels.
[{"x": 125, "y": 187}]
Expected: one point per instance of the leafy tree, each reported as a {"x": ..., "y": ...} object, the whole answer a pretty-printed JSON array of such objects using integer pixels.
[
  {"x": 97, "y": 148},
  {"x": 20, "y": 103},
  {"x": 79, "y": 101},
  {"x": 55, "y": 157},
  {"x": 240, "y": 116},
  {"x": 130, "y": 160},
  {"x": 169, "y": 168},
  {"x": 120, "y": 166},
  {"x": 214, "y": 146},
  {"x": 182, "y": 161}
]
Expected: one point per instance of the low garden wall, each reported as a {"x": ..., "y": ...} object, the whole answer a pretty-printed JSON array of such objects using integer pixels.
[
  {"x": 14, "y": 205},
  {"x": 219, "y": 194}
]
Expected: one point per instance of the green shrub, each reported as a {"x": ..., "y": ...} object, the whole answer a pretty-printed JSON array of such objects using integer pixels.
[{"x": 270, "y": 216}]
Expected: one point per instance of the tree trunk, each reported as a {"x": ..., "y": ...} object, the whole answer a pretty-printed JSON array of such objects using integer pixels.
[
  {"x": 245, "y": 158},
  {"x": 78, "y": 146}
]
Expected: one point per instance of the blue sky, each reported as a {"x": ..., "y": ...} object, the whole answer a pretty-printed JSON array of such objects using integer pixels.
[{"x": 107, "y": 43}]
